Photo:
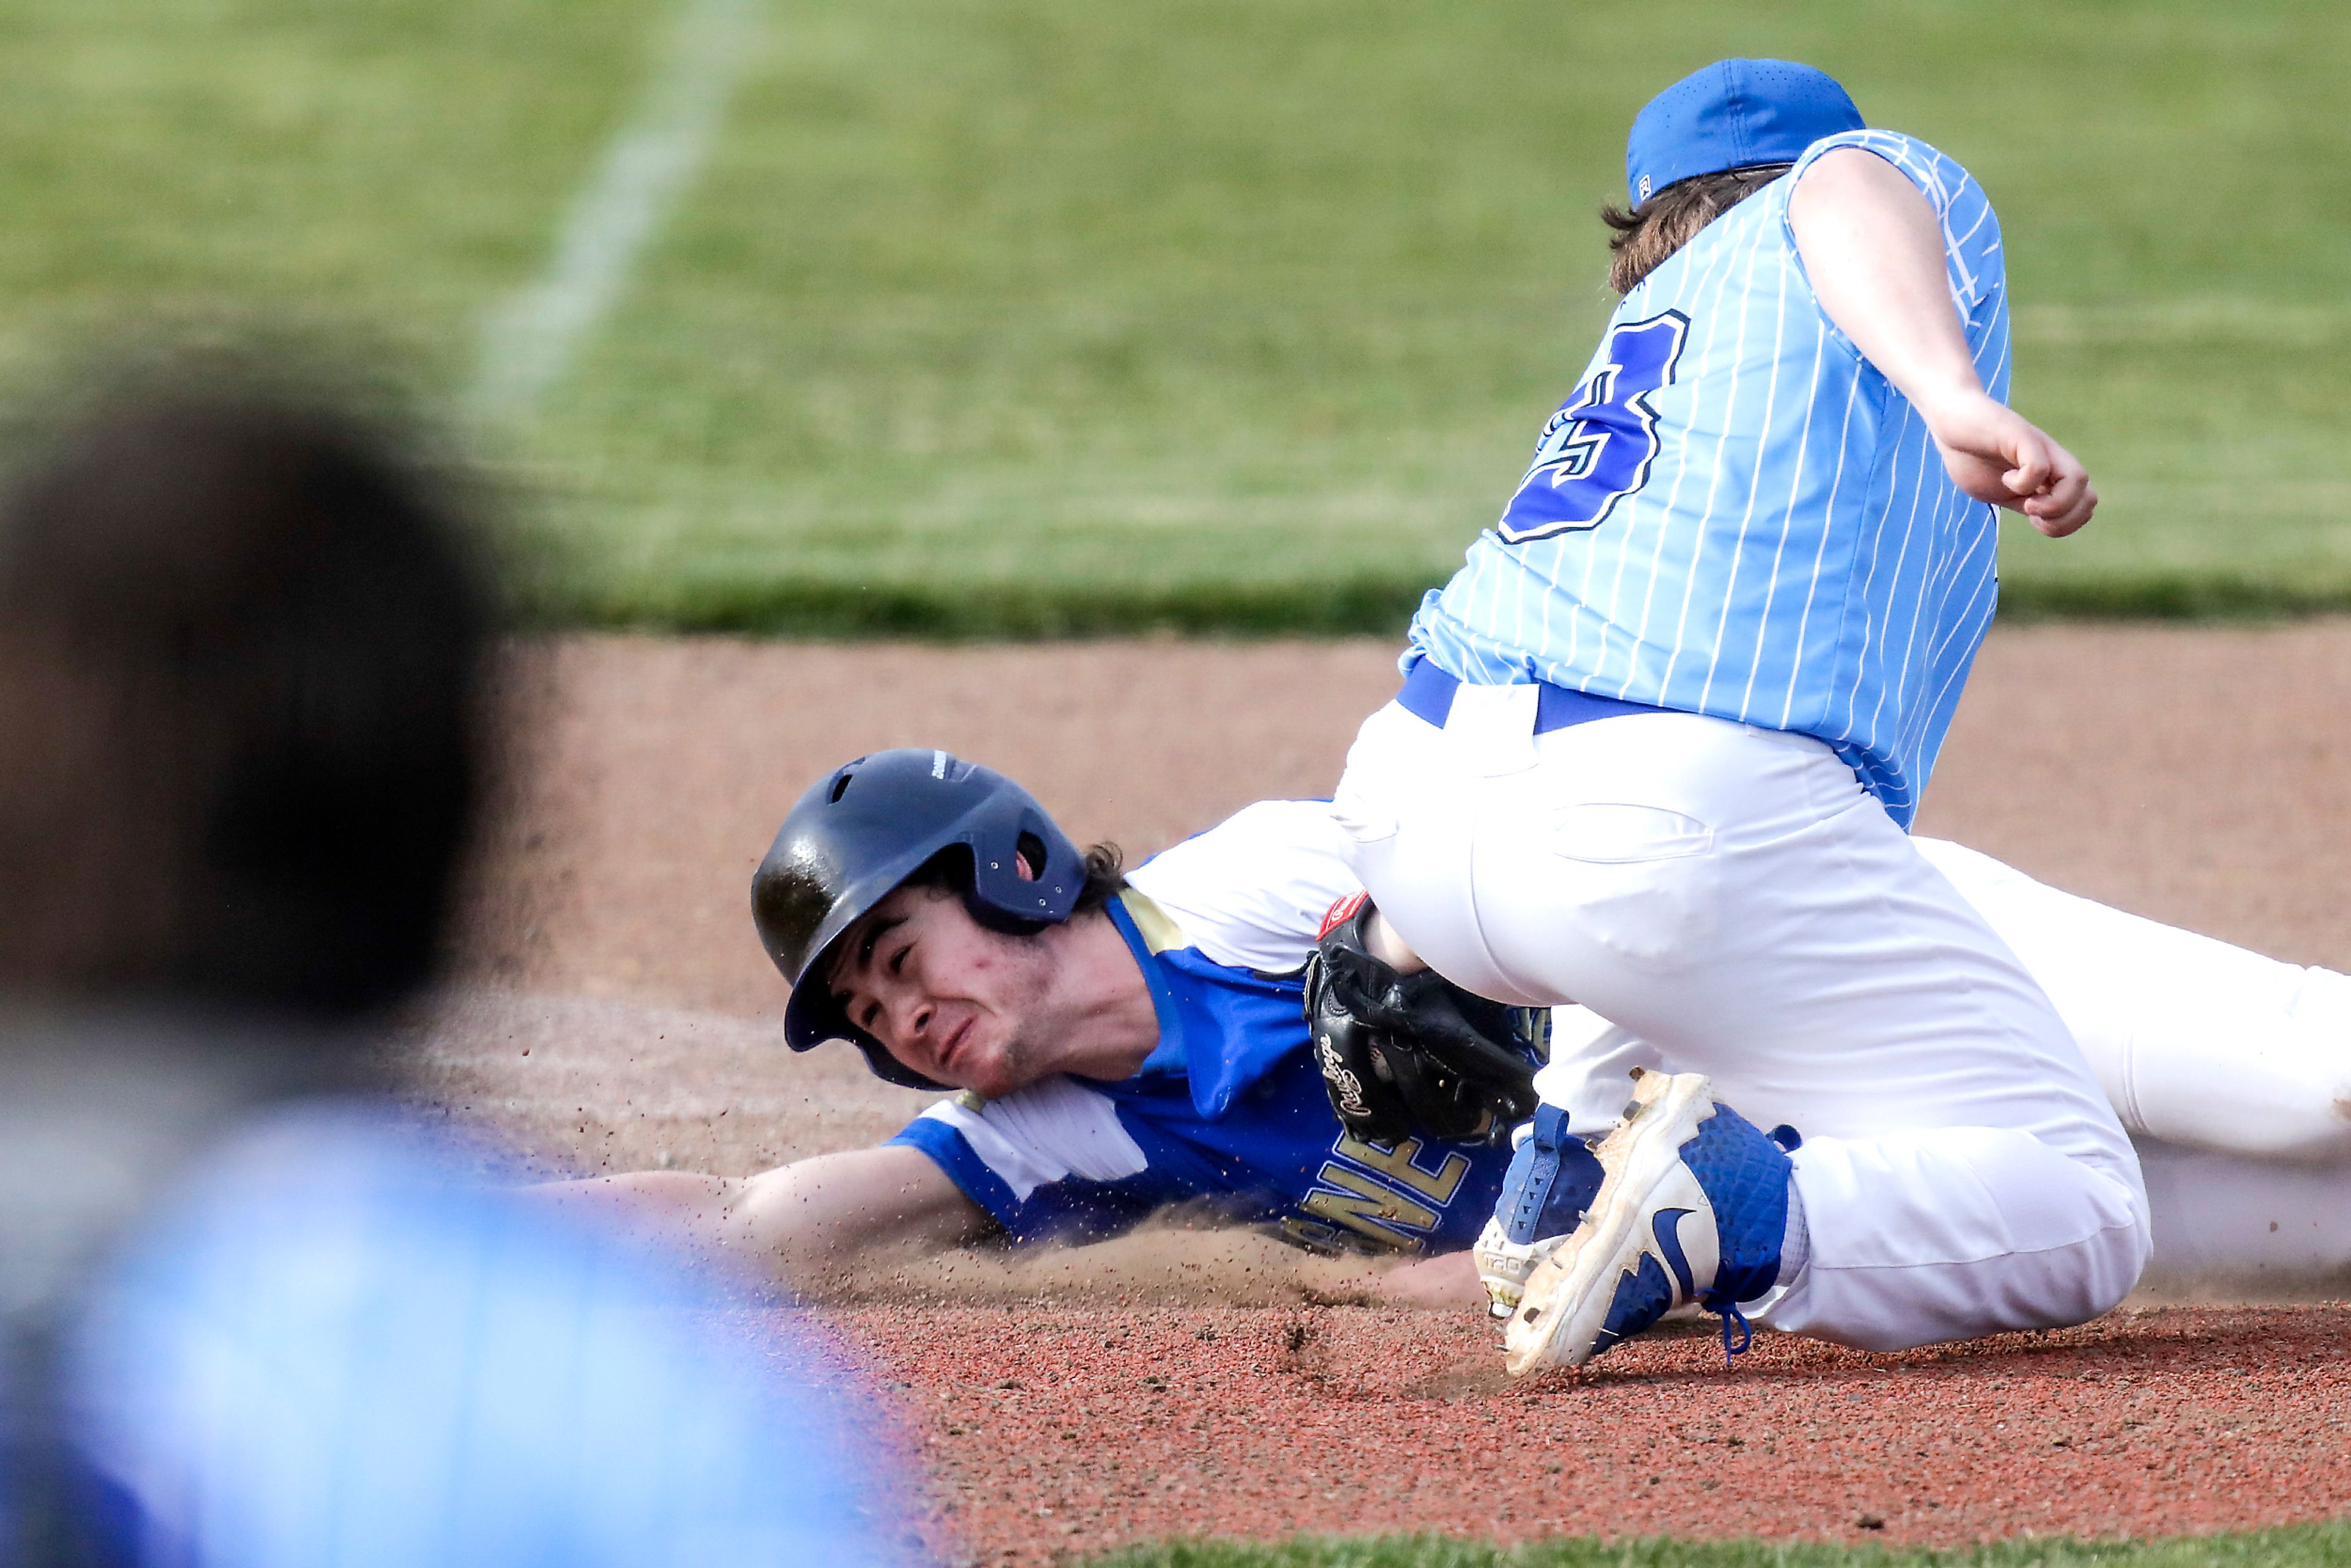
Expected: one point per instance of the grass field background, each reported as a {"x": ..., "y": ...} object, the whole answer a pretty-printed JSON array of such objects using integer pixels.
[{"x": 1047, "y": 315}]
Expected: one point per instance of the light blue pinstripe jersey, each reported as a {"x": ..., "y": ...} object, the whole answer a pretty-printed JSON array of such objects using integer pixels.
[
  {"x": 1736, "y": 515},
  {"x": 330, "y": 1350}
]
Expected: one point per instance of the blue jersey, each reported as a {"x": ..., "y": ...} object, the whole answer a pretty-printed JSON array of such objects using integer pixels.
[
  {"x": 1737, "y": 514},
  {"x": 1229, "y": 1110},
  {"x": 328, "y": 1350}
]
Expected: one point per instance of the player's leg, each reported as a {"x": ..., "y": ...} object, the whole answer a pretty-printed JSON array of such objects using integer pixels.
[
  {"x": 1731, "y": 897},
  {"x": 2196, "y": 1042},
  {"x": 2221, "y": 1221},
  {"x": 2229, "y": 1224}
]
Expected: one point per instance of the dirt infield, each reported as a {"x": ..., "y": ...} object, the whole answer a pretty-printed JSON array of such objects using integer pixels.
[
  {"x": 617, "y": 1014},
  {"x": 1056, "y": 1431}
]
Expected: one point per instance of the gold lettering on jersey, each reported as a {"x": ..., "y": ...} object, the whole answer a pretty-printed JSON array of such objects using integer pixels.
[
  {"x": 1351, "y": 1198},
  {"x": 1396, "y": 1164},
  {"x": 1317, "y": 1237}
]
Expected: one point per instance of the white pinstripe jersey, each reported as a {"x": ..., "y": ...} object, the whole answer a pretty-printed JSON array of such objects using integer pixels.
[{"x": 1735, "y": 514}]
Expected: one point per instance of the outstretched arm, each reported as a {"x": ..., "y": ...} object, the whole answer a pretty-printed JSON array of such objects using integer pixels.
[
  {"x": 817, "y": 1221},
  {"x": 1873, "y": 251},
  {"x": 808, "y": 1222},
  {"x": 1447, "y": 1282}
]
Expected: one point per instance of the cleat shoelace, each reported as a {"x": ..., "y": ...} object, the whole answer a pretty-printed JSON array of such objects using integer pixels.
[{"x": 1728, "y": 1311}]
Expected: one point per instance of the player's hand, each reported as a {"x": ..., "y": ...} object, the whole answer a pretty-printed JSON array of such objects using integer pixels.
[
  {"x": 1448, "y": 1282},
  {"x": 1997, "y": 454}
]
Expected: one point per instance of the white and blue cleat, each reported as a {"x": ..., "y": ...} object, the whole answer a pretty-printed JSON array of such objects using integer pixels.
[
  {"x": 1553, "y": 1178},
  {"x": 1691, "y": 1210}
]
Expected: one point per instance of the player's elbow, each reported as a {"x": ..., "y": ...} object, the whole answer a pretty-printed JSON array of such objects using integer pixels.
[{"x": 2309, "y": 1124}]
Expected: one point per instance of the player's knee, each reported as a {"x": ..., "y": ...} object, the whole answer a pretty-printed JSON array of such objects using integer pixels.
[
  {"x": 2115, "y": 1259},
  {"x": 2311, "y": 1124},
  {"x": 2287, "y": 1098},
  {"x": 2082, "y": 1233},
  {"x": 2311, "y": 1121},
  {"x": 2086, "y": 1278},
  {"x": 2295, "y": 1105}
]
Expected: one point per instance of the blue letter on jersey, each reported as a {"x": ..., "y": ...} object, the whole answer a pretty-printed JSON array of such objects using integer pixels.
[{"x": 1597, "y": 448}]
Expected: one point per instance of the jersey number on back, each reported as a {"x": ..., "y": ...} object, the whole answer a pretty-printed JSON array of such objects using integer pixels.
[{"x": 1597, "y": 448}]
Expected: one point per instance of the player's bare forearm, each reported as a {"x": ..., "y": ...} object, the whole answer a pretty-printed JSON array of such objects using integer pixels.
[
  {"x": 1448, "y": 1282},
  {"x": 808, "y": 1223},
  {"x": 658, "y": 1204},
  {"x": 1873, "y": 251},
  {"x": 817, "y": 1218}
]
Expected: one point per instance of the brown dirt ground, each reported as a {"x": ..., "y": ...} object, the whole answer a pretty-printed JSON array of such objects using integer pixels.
[{"x": 616, "y": 1013}]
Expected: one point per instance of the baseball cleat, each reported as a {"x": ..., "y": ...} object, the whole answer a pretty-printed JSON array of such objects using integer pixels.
[
  {"x": 1692, "y": 1208},
  {"x": 1552, "y": 1179}
]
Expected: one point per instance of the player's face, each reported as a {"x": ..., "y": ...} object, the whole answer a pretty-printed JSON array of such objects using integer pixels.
[{"x": 945, "y": 995}]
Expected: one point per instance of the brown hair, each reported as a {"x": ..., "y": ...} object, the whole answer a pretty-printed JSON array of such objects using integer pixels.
[
  {"x": 1106, "y": 877},
  {"x": 1650, "y": 232},
  {"x": 240, "y": 644}
]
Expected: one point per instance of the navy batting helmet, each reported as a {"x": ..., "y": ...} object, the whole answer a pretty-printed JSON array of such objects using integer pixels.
[{"x": 868, "y": 826}]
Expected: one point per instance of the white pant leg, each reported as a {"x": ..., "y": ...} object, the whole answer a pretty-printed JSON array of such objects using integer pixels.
[
  {"x": 1732, "y": 897},
  {"x": 2229, "y": 1224},
  {"x": 2196, "y": 1042},
  {"x": 1589, "y": 1069},
  {"x": 2222, "y": 1223}
]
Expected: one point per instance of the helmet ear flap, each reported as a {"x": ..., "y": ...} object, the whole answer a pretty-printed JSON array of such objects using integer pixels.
[
  {"x": 1031, "y": 849},
  {"x": 1024, "y": 867},
  {"x": 986, "y": 912}
]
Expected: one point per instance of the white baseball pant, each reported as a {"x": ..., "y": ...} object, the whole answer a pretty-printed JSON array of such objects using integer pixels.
[
  {"x": 1731, "y": 895},
  {"x": 2196, "y": 1042},
  {"x": 2231, "y": 1070}
]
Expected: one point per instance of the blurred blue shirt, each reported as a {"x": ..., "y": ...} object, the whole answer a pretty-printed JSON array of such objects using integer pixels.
[{"x": 330, "y": 1349}]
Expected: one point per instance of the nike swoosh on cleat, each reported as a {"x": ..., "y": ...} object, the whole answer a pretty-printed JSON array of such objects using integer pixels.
[{"x": 1667, "y": 1228}]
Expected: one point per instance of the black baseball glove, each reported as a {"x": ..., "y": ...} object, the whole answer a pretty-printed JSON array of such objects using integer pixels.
[{"x": 1407, "y": 1054}]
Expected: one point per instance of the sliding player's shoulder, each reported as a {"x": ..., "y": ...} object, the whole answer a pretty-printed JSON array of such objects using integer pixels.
[
  {"x": 1251, "y": 891},
  {"x": 1271, "y": 842},
  {"x": 1052, "y": 1129}
]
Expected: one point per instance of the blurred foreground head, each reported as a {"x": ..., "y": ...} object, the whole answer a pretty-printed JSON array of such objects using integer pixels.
[{"x": 240, "y": 660}]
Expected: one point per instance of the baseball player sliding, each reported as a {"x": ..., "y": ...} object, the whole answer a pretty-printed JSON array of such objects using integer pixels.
[
  {"x": 1125, "y": 1044},
  {"x": 1660, "y": 740},
  {"x": 1653, "y": 762}
]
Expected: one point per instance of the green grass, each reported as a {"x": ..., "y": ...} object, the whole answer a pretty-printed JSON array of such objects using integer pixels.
[
  {"x": 2300, "y": 1547},
  {"x": 1051, "y": 316}
]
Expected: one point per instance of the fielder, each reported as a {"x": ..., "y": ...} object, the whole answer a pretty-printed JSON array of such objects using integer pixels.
[
  {"x": 1122, "y": 1044},
  {"x": 1660, "y": 739}
]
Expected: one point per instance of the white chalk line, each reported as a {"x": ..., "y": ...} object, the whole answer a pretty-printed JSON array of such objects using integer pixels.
[{"x": 528, "y": 340}]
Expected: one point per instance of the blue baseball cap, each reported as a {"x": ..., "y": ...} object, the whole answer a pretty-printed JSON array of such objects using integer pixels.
[{"x": 1732, "y": 114}]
